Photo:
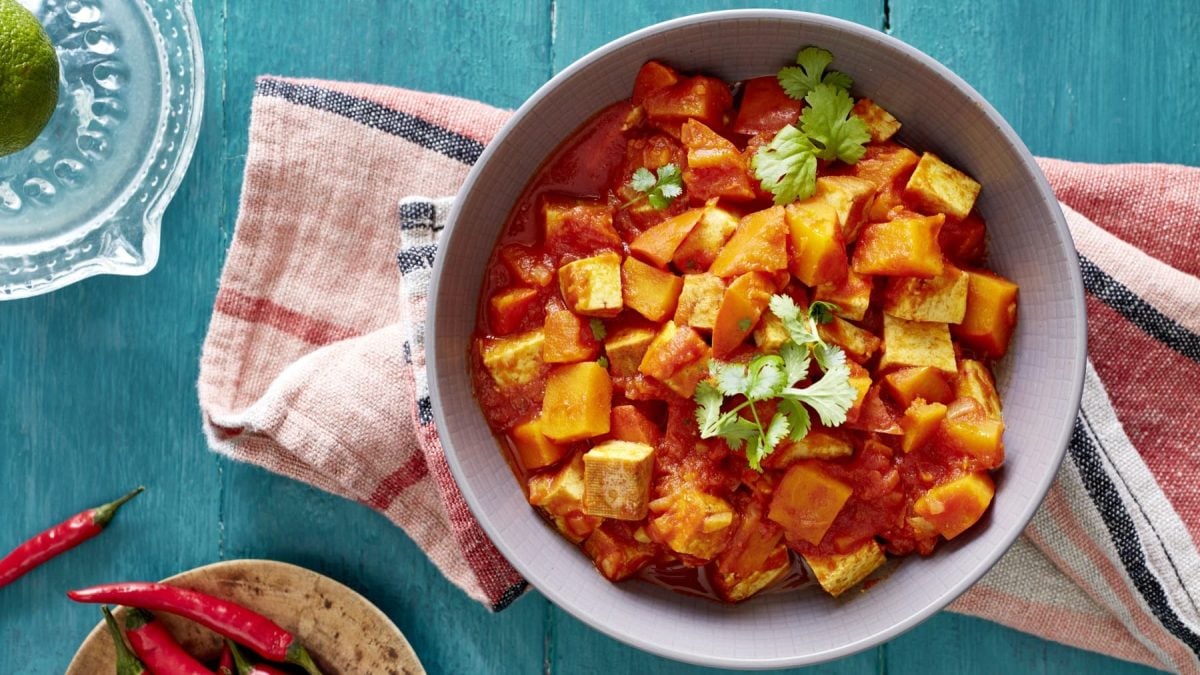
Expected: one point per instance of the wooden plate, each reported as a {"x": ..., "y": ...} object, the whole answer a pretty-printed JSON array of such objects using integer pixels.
[{"x": 342, "y": 630}]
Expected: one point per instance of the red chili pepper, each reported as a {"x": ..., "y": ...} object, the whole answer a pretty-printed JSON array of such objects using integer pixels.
[
  {"x": 127, "y": 663},
  {"x": 62, "y": 537},
  {"x": 244, "y": 667},
  {"x": 157, "y": 649},
  {"x": 225, "y": 665},
  {"x": 226, "y": 618}
]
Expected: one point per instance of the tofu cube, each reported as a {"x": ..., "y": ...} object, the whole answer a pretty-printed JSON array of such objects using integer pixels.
[
  {"x": 578, "y": 226},
  {"x": 938, "y": 187},
  {"x": 991, "y": 314},
  {"x": 649, "y": 291},
  {"x": 975, "y": 382},
  {"x": 508, "y": 308},
  {"x": 904, "y": 247},
  {"x": 699, "y": 249},
  {"x": 941, "y": 299},
  {"x": 616, "y": 550},
  {"x": 569, "y": 338},
  {"x": 852, "y": 296},
  {"x": 699, "y": 300},
  {"x": 880, "y": 123},
  {"x": 818, "y": 246},
  {"x": 677, "y": 357},
  {"x": 908, "y": 384},
  {"x": 954, "y": 506},
  {"x": 858, "y": 343},
  {"x": 770, "y": 334},
  {"x": 695, "y": 525},
  {"x": 839, "y": 572},
  {"x": 625, "y": 348},
  {"x": 850, "y": 197},
  {"x": 758, "y": 245},
  {"x": 533, "y": 449},
  {"x": 514, "y": 360},
  {"x": 920, "y": 422},
  {"x": 807, "y": 501},
  {"x": 577, "y": 403},
  {"x": 917, "y": 343},
  {"x": 823, "y": 444},
  {"x": 659, "y": 243},
  {"x": 559, "y": 494},
  {"x": 616, "y": 477},
  {"x": 592, "y": 286}
]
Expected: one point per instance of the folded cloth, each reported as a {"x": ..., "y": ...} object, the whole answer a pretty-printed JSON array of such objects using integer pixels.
[{"x": 314, "y": 364}]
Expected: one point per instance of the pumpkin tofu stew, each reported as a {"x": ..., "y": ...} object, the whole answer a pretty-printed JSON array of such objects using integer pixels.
[{"x": 734, "y": 338}]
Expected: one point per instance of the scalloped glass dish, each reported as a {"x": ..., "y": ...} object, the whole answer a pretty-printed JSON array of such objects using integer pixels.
[{"x": 88, "y": 196}]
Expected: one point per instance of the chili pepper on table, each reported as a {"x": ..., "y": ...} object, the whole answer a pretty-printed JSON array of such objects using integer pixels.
[
  {"x": 155, "y": 646},
  {"x": 224, "y": 617},
  {"x": 127, "y": 663},
  {"x": 225, "y": 665},
  {"x": 62, "y": 537},
  {"x": 244, "y": 667}
]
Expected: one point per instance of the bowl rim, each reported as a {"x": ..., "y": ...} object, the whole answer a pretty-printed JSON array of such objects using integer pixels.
[{"x": 1059, "y": 444}]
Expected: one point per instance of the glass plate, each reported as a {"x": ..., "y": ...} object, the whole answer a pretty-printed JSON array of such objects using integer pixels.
[{"x": 88, "y": 196}]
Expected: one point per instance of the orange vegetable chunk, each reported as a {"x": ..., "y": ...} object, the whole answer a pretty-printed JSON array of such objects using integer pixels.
[
  {"x": 616, "y": 550},
  {"x": 534, "y": 450},
  {"x": 577, "y": 403},
  {"x": 908, "y": 384},
  {"x": 991, "y": 314},
  {"x": 659, "y": 243},
  {"x": 758, "y": 245},
  {"x": 705, "y": 99},
  {"x": 700, "y": 248},
  {"x": 807, "y": 501},
  {"x": 531, "y": 268},
  {"x": 677, "y": 357},
  {"x": 577, "y": 226},
  {"x": 560, "y": 495},
  {"x": 765, "y": 107},
  {"x": 715, "y": 168},
  {"x": 630, "y": 424},
  {"x": 852, "y": 296},
  {"x": 652, "y": 77},
  {"x": 507, "y": 308},
  {"x": 694, "y": 524},
  {"x": 920, "y": 422},
  {"x": 818, "y": 247},
  {"x": 905, "y": 247},
  {"x": 954, "y": 506},
  {"x": 968, "y": 430},
  {"x": 743, "y": 303},
  {"x": 648, "y": 290},
  {"x": 568, "y": 338},
  {"x": 975, "y": 382}
]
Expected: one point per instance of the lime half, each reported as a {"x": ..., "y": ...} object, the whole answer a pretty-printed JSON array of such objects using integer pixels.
[{"x": 28, "y": 77}]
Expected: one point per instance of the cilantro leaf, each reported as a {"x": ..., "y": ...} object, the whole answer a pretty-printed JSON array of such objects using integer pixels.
[
  {"x": 766, "y": 378},
  {"x": 598, "y": 330},
  {"x": 822, "y": 312},
  {"x": 738, "y": 430},
  {"x": 765, "y": 442},
  {"x": 731, "y": 377},
  {"x": 787, "y": 166},
  {"x": 795, "y": 361},
  {"x": 708, "y": 408},
  {"x": 832, "y": 395},
  {"x": 798, "y": 326},
  {"x": 811, "y": 62},
  {"x": 798, "y": 418},
  {"x": 829, "y": 126},
  {"x": 660, "y": 190}
]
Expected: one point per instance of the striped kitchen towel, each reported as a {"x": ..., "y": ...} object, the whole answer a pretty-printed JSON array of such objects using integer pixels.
[{"x": 314, "y": 364}]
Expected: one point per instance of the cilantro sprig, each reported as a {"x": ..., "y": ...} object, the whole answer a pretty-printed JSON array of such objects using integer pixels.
[
  {"x": 787, "y": 166},
  {"x": 659, "y": 190},
  {"x": 809, "y": 72},
  {"x": 775, "y": 377}
]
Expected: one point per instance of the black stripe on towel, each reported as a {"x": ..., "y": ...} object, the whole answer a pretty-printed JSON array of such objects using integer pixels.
[
  {"x": 416, "y": 257},
  {"x": 1137, "y": 311},
  {"x": 1085, "y": 453},
  {"x": 377, "y": 116}
]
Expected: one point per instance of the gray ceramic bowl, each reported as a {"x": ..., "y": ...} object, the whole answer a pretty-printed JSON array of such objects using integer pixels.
[{"x": 1040, "y": 380}]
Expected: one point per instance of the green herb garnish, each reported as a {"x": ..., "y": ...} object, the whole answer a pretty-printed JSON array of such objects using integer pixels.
[
  {"x": 660, "y": 190},
  {"x": 809, "y": 72}
]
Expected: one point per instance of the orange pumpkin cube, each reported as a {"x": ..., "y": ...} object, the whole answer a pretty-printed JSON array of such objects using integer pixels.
[
  {"x": 677, "y": 357},
  {"x": 858, "y": 343},
  {"x": 659, "y": 243},
  {"x": 975, "y": 382},
  {"x": 616, "y": 550},
  {"x": 577, "y": 226},
  {"x": 648, "y": 290},
  {"x": 625, "y": 349},
  {"x": 852, "y": 296},
  {"x": 758, "y": 245},
  {"x": 920, "y": 422},
  {"x": 964, "y": 241},
  {"x": 818, "y": 248},
  {"x": 850, "y": 197},
  {"x": 631, "y": 424},
  {"x": 741, "y": 306},
  {"x": 507, "y": 308},
  {"x": 534, "y": 450},
  {"x": 531, "y": 268},
  {"x": 908, "y": 384},
  {"x": 700, "y": 248},
  {"x": 568, "y": 338},
  {"x": 705, "y": 99},
  {"x": 860, "y": 379},
  {"x": 807, "y": 501},
  {"x": 694, "y": 524},
  {"x": 592, "y": 286},
  {"x": 577, "y": 403},
  {"x": 905, "y": 247},
  {"x": 880, "y": 123},
  {"x": 765, "y": 107},
  {"x": 991, "y": 314},
  {"x": 938, "y": 187},
  {"x": 968, "y": 430},
  {"x": 715, "y": 168},
  {"x": 956, "y": 505},
  {"x": 651, "y": 77}
]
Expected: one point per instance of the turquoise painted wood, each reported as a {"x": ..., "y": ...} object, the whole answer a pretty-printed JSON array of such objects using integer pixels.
[{"x": 97, "y": 381}]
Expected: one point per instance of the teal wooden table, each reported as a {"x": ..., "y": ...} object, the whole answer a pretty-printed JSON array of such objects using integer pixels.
[{"x": 98, "y": 390}]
